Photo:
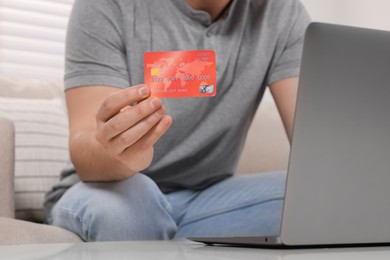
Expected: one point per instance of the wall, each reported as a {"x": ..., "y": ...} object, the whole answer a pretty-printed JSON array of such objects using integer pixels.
[
  {"x": 363, "y": 13},
  {"x": 32, "y": 34}
]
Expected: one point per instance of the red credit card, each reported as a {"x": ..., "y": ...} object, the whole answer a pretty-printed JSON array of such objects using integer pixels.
[{"x": 178, "y": 74}]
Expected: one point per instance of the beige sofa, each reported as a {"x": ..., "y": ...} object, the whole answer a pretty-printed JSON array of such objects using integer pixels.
[{"x": 33, "y": 149}]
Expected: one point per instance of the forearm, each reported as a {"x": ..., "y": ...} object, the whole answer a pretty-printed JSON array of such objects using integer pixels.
[
  {"x": 285, "y": 96},
  {"x": 92, "y": 161}
]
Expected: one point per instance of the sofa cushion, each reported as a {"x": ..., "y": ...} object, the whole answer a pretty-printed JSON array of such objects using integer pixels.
[
  {"x": 22, "y": 232},
  {"x": 41, "y": 150},
  {"x": 267, "y": 147}
]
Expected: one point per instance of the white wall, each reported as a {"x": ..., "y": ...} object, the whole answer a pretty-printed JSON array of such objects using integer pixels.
[
  {"x": 32, "y": 36},
  {"x": 363, "y": 13}
]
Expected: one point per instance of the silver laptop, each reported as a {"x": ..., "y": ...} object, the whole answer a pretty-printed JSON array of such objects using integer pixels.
[{"x": 338, "y": 184}]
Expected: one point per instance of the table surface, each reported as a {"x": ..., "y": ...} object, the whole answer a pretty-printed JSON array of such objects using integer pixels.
[{"x": 181, "y": 250}]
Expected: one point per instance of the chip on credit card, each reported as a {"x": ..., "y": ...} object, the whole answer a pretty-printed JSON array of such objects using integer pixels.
[{"x": 179, "y": 74}]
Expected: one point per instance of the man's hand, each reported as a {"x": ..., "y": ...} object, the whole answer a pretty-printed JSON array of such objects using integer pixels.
[
  {"x": 110, "y": 139},
  {"x": 129, "y": 132}
]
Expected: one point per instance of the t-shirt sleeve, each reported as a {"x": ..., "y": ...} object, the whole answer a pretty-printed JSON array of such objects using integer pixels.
[
  {"x": 95, "y": 51},
  {"x": 287, "y": 55}
]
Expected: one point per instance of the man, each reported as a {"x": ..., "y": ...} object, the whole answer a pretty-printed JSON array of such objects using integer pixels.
[{"x": 188, "y": 147}]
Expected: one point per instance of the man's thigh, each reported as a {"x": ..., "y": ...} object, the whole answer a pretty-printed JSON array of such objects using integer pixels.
[{"x": 240, "y": 206}]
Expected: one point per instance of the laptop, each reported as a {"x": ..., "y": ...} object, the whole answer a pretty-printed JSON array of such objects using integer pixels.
[{"x": 338, "y": 181}]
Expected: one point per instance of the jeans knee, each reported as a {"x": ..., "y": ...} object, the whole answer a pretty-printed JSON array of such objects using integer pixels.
[{"x": 133, "y": 209}]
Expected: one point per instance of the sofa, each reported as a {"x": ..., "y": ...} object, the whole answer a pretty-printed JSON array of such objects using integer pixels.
[{"x": 34, "y": 149}]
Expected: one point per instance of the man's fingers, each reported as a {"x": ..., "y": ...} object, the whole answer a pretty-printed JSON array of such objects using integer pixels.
[
  {"x": 118, "y": 100},
  {"x": 130, "y": 117},
  {"x": 135, "y": 133},
  {"x": 155, "y": 133},
  {"x": 150, "y": 138}
]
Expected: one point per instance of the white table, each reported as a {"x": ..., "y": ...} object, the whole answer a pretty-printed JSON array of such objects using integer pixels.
[{"x": 180, "y": 250}]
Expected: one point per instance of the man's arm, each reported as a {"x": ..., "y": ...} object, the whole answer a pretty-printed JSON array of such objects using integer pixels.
[
  {"x": 285, "y": 96},
  {"x": 109, "y": 139}
]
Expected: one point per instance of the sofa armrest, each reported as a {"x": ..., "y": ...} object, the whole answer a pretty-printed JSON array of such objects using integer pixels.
[{"x": 7, "y": 156}]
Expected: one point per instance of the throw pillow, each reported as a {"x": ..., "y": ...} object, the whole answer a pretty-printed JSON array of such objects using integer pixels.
[{"x": 41, "y": 150}]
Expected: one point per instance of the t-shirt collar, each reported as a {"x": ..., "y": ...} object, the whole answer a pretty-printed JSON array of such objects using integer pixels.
[{"x": 201, "y": 16}]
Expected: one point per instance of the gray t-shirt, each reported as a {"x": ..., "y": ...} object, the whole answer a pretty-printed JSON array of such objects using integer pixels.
[{"x": 257, "y": 42}]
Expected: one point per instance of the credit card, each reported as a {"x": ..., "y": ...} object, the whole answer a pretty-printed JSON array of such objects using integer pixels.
[{"x": 179, "y": 74}]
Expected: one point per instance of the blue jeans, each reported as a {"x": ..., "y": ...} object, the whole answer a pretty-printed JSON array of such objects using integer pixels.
[{"x": 135, "y": 209}]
